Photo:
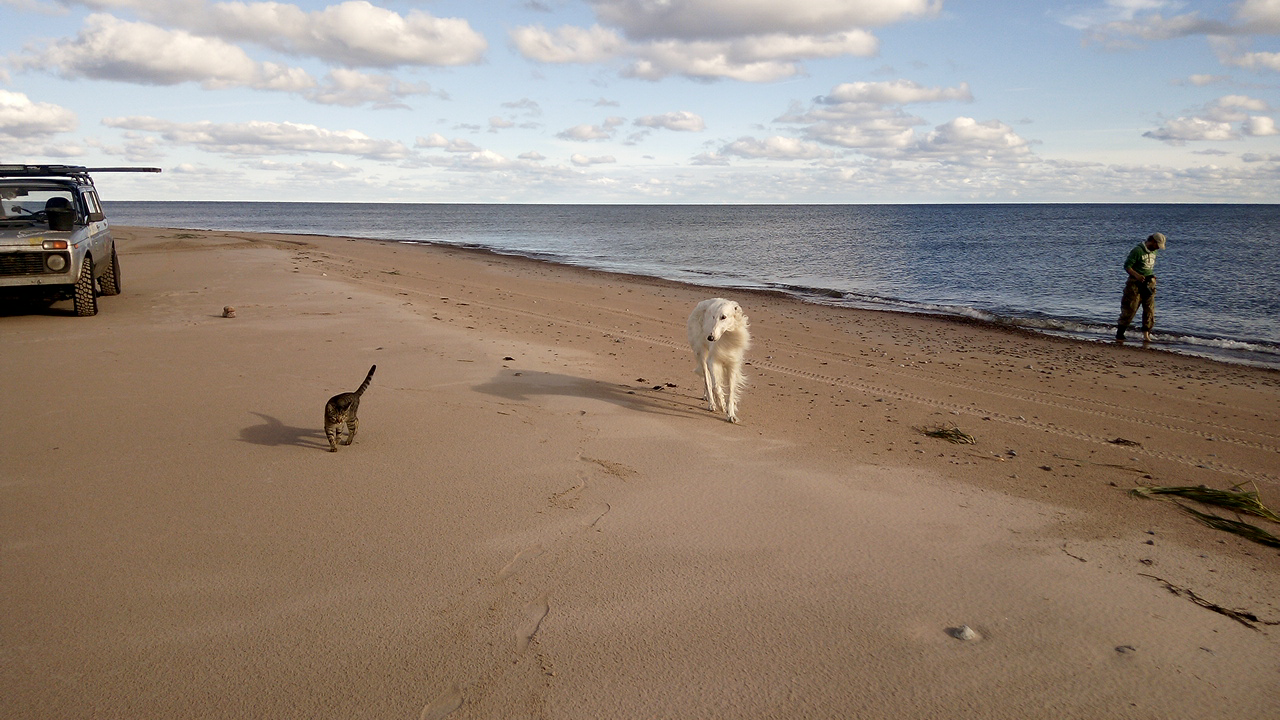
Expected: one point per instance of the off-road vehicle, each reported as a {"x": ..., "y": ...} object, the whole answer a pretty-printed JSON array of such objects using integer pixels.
[{"x": 55, "y": 241}]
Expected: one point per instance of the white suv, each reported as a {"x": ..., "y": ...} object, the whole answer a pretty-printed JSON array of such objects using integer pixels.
[{"x": 55, "y": 241}]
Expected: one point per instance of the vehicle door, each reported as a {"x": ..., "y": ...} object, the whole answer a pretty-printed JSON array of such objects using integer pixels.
[{"x": 99, "y": 230}]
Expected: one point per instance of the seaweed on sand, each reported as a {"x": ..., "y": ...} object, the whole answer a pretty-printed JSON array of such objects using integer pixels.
[
  {"x": 1240, "y": 501},
  {"x": 949, "y": 433}
]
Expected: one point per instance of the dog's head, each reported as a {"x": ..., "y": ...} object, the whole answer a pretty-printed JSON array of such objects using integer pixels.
[{"x": 724, "y": 317}]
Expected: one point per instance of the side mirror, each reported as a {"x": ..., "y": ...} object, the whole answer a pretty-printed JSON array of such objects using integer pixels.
[{"x": 97, "y": 217}]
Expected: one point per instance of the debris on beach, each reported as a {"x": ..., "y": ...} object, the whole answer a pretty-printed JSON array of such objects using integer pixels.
[
  {"x": 1240, "y": 501},
  {"x": 228, "y": 312},
  {"x": 1123, "y": 441},
  {"x": 964, "y": 632},
  {"x": 950, "y": 433},
  {"x": 1244, "y": 617}
]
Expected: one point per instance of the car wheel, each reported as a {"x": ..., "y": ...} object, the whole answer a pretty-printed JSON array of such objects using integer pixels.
[
  {"x": 110, "y": 279},
  {"x": 86, "y": 300}
]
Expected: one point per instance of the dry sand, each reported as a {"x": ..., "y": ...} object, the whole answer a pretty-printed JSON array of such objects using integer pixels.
[{"x": 539, "y": 518}]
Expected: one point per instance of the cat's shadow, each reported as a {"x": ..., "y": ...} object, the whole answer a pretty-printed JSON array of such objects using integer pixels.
[{"x": 274, "y": 433}]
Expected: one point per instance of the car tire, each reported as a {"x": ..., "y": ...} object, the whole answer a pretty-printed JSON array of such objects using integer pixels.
[
  {"x": 110, "y": 280},
  {"x": 86, "y": 300}
]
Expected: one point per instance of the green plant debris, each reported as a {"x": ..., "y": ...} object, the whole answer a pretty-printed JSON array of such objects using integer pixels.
[
  {"x": 950, "y": 433},
  {"x": 1243, "y": 529},
  {"x": 1241, "y": 501}
]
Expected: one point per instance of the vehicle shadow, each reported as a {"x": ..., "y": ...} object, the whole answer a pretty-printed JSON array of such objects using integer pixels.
[
  {"x": 525, "y": 385},
  {"x": 274, "y": 433},
  {"x": 16, "y": 308}
]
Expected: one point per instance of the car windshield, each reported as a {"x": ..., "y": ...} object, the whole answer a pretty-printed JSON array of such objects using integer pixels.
[{"x": 27, "y": 205}]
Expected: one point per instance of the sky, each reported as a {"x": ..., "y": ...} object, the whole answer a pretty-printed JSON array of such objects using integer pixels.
[{"x": 650, "y": 101}]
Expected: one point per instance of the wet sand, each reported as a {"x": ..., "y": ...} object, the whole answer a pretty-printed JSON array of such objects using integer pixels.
[{"x": 540, "y": 518}]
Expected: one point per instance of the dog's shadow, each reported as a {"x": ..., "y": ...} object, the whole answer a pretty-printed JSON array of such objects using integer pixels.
[
  {"x": 274, "y": 433},
  {"x": 525, "y": 385}
]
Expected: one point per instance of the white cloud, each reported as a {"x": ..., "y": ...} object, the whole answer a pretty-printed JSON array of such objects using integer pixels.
[
  {"x": 584, "y": 161},
  {"x": 440, "y": 142},
  {"x": 969, "y": 142},
  {"x": 350, "y": 88},
  {"x": 1260, "y": 126},
  {"x": 355, "y": 33},
  {"x": 568, "y": 44},
  {"x": 745, "y": 40},
  {"x": 256, "y": 138},
  {"x": 776, "y": 148},
  {"x": 108, "y": 48},
  {"x": 683, "y": 121},
  {"x": 586, "y": 133},
  {"x": 897, "y": 92},
  {"x": 22, "y": 118},
  {"x": 1218, "y": 121},
  {"x": 1180, "y": 131},
  {"x": 702, "y": 19},
  {"x": 1255, "y": 61}
]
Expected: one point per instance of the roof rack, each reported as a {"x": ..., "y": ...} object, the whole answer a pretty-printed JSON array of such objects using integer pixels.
[{"x": 64, "y": 170}]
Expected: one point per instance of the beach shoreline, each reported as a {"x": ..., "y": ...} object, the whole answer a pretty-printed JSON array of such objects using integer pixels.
[{"x": 540, "y": 517}]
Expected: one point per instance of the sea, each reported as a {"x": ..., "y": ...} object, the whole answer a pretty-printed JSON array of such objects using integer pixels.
[{"x": 1055, "y": 269}]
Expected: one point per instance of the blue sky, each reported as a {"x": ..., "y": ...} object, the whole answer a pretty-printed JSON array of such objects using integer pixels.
[{"x": 651, "y": 101}]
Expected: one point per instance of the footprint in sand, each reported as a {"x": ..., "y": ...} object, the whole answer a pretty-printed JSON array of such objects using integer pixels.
[
  {"x": 602, "y": 509},
  {"x": 448, "y": 701},
  {"x": 534, "y": 613},
  {"x": 519, "y": 560}
]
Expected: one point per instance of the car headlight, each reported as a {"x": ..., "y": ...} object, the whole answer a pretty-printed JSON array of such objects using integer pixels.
[{"x": 56, "y": 263}]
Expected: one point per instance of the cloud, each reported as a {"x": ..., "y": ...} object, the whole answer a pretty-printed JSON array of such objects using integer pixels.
[
  {"x": 440, "y": 142},
  {"x": 1180, "y": 131},
  {"x": 355, "y": 33},
  {"x": 584, "y": 161},
  {"x": 587, "y": 133},
  {"x": 108, "y": 48},
  {"x": 681, "y": 121},
  {"x": 1230, "y": 117},
  {"x": 745, "y": 40},
  {"x": 776, "y": 148},
  {"x": 350, "y": 88},
  {"x": 22, "y": 118},
  {"x": 897, "y": 92},
  {"x": 712, "y": 19},
  {"x": 969, "y": 142},
  {"x": 568, "y": 44},
  {"x": 257, "y": 138},
  {"x": 871, "y": 115}
]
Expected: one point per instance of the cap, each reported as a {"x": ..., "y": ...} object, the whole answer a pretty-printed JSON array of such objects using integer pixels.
[{"x": 1159, "y": 240}]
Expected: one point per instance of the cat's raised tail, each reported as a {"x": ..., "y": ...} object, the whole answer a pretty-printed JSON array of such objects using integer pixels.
[{"x": 367, "y": 379}]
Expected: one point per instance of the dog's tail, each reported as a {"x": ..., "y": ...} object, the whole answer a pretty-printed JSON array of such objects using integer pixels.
[{"x": 367, "y": 379}]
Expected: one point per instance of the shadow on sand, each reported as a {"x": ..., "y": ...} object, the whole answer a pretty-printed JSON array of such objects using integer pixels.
[
  {"x": 274, "y": 433},
  {"x": 525, "y": 385}
]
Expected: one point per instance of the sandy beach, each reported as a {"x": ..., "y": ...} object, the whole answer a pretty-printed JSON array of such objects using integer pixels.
[{"x": 539, "y": 517}]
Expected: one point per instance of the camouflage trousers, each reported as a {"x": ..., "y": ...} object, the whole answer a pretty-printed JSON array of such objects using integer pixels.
[{"x": 1139, "y": 294}]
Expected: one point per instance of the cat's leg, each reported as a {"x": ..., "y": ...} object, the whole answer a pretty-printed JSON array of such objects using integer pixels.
[
  {"x": 331, "y": 432},
  {"x": 352, "y": 424}
]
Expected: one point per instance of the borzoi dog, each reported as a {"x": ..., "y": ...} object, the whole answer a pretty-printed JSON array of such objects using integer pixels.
[{"x": 719, "y": 338}]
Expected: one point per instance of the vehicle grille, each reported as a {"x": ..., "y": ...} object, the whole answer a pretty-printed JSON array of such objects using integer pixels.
[{"x": 22, "y": 263}]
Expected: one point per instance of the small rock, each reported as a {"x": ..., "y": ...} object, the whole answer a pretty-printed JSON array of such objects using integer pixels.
[
  {"x": 964, "y": 632},
  {"x": 1126, "y": 649},
  {"x": 228, "y": 312}
]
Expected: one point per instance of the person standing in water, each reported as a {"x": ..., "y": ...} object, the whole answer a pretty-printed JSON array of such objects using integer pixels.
[{"x": 1140, "y": 289}]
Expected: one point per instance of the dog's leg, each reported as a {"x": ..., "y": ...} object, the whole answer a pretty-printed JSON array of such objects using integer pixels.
[
  {"x": 734, "y": 377},
  {"x": 709, "y": 380}
]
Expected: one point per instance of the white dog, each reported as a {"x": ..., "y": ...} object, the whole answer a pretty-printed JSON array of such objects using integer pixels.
[{"x": 719, "y": 338}]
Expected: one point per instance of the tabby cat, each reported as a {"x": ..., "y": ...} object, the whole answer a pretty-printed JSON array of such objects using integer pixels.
[{"x": 341, "y": 409}]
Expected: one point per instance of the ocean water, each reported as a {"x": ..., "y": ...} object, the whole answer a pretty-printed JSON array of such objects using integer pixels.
[{"x": 1055, "y": 269}]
